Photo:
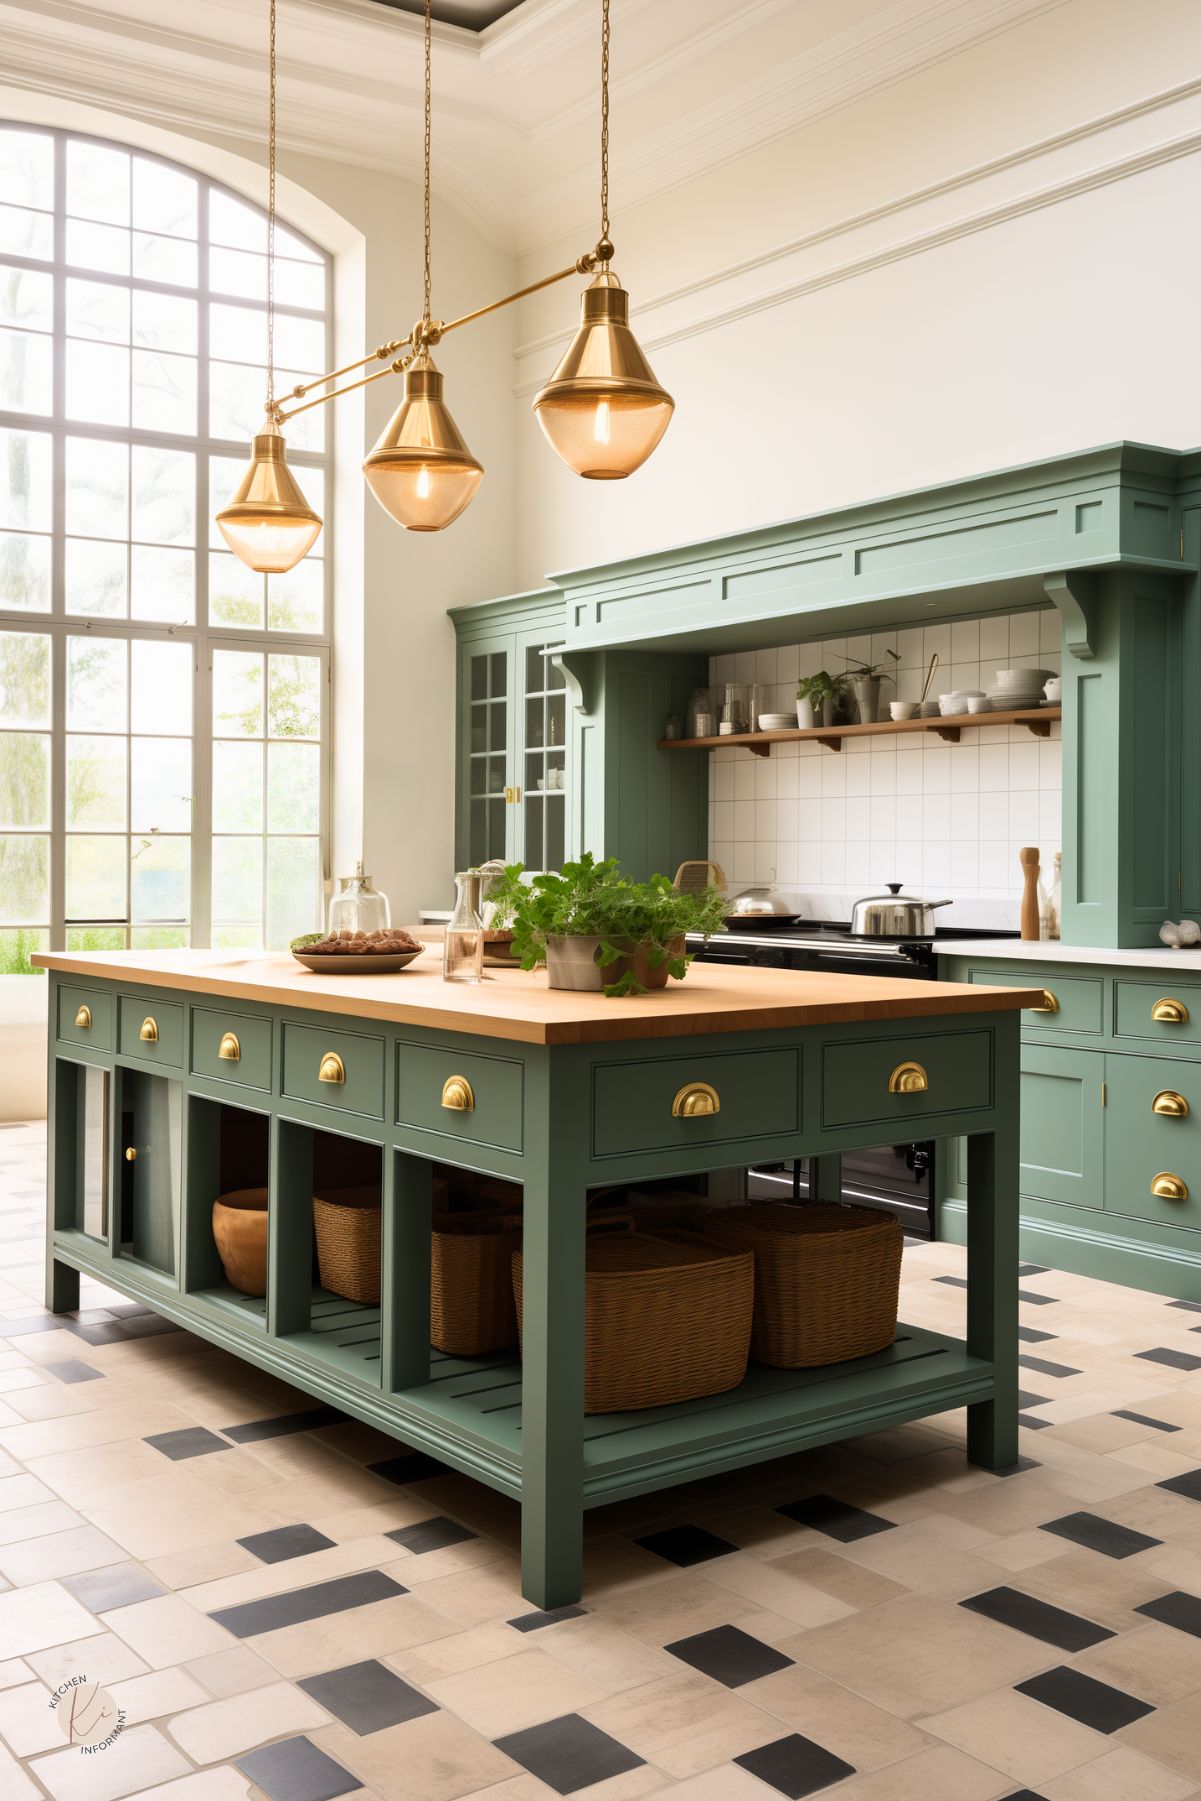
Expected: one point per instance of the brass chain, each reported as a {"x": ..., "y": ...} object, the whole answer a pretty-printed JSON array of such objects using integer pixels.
[
  {"x": 271, "y": 216},
  {"x": 426, "y": 309},
  {"x": 604, "y": 121}
]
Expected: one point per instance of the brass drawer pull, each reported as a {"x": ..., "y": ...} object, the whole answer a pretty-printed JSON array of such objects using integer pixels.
[
  {"x": 458, "y": 1095},
  {"x": 1168, "y": 1187},
  {"x": 149, "y": 1031},
  {"x": 696, "y": 1100},
  {"x": 1049, "y": 1003},
  {"x": 1170, "y": 1105},
  {"x": 332, "y": 1068},
  {"x": 83, "y": 1019},
  {"x": 908, "y": 1078},
  {"x": 229, "y": 1050},
  {"x": 1170, "y": 1012},
  {"x": 131, "y": 1155}
]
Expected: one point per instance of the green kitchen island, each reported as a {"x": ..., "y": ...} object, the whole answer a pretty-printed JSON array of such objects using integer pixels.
[{"x": 177, "y": 1076}]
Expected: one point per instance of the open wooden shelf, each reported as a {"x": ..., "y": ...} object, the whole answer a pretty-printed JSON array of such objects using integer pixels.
[{"x": 949, "y": 727}]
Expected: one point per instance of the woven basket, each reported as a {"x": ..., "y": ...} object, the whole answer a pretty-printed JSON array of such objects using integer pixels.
[
  {"x": 826, "y": 1279},
  {"x": 472, "y": 1310},
  {"x": 347, "y": 1222},
  {"x": 665, "y": 1319}
]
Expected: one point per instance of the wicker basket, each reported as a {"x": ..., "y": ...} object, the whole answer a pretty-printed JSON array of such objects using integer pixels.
[
  {"x": 347, "y": 1223},
  {"x": 826, "y": 1279},
  {"x": 665, "y": 1319},
  {"x": 472, "y": 1310}
]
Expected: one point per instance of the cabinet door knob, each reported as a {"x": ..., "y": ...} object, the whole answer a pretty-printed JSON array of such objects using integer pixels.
[
  {"x": 131, "y": 1155},
  {"x": 1170, "y": 1012},
  {"x": 83, "y": 1018},
  {"x": 332, "y": 1068},
  {"x": 696, "y": 1100},
  {"x": 908, "y": 1078},
  {"x": 1048, "y": 1004},
  {"x": 1170, "y": 1105},
  {"x": 458, "y": 1095},
  {"x": 149, "y": 1031},
  {"x": 229, "y": 1050},
  {"x": 1168, "y": 1187}
]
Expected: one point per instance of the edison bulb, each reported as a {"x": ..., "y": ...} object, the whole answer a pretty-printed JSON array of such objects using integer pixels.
[
  {"x": 423, "y": 483},
  {"x": 600, "y": 425}
]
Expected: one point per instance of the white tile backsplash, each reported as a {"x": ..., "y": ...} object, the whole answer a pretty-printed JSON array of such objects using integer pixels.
[{"x": 938, "y": 817}]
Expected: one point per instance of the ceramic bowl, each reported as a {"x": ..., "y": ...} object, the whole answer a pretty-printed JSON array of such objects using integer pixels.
[
  {"x": 903, "y": 709},
  {"x": 951, "y": 704},
  {"x": 777, "y": 722},
  {"x": 979, "y": 703},
  {"x": 929, "y": 709},
  {"x": 1053, "y": 689},
  {"x": 1021, "y": 678}
]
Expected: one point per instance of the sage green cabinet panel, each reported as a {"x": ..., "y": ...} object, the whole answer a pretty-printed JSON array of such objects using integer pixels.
[
  {"x": 1062, "y": 1125},
  {"x": 249, "y": 1065},
  {"x": 1142, "y": 1144},
  {"x": 162, "y": 1021},
  {"x": 353, "y": 1065},
  {"x": 151, "y": 1109},
  {"x": 1135, "y": 1001},
  {"x": 758, "y": 1092},
  {"x": 1080, "y": 999},
  {"x": 495, "y": 1116},
  {"x": 85, "y": 1016},
  {"x": 855, "y": 1078}
]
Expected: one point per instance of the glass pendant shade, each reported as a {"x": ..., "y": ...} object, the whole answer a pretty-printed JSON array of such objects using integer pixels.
[
  {"x": 421, "y": 470},
  {"x": 602, "y": 410},
  {"x": 269, "y": 524}
]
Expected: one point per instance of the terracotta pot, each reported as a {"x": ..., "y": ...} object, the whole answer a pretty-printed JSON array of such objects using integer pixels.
[
  {"x": 572, "y": 963},
  {"x": 240, "y": 1234}
]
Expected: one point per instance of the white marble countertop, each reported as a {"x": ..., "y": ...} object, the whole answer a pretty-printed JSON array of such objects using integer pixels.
[{"x": 1017, "y": 950}]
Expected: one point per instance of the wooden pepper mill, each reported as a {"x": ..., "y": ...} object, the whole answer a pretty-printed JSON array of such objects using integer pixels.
[{"x": 1030, "y": 871}]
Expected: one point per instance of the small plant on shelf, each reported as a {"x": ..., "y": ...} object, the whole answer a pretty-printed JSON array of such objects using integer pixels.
[
  {"x": 589, "y": 922},
  {"x": 820, "y": 696}
]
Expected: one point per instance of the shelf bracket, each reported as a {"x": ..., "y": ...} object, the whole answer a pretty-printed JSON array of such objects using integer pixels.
[
  {"x": 1074, "y": 594},
  {"x": 949, "y": 732},
  {"x": 759, "y": 750},
  {"x": 581, "y": 672},
  {"x": 831, "y": 743},
  {"x": 1040, "y": 727}
]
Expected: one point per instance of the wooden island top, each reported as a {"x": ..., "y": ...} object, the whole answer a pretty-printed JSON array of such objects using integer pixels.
[{"x": 515, "y": 1004}]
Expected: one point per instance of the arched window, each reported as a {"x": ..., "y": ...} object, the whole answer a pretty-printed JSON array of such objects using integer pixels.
[{"x": 163, "y": 711}]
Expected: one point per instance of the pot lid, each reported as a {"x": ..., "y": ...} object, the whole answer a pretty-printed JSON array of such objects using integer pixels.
[{"x": 894, "y": 896}]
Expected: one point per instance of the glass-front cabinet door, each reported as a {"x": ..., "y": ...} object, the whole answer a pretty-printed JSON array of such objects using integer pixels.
[
  {"x": 543, "y": 804},
  {"x": 486, "y": 779}
]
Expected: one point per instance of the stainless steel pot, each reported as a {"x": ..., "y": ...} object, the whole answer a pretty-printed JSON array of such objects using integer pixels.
[
  {"x": 762, "y": 903},
  {"x": 893, "y": 915}
]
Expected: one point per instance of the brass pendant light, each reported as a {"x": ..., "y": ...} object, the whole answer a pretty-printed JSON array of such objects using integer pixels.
[
  {"x": 421, "y": 470},
  {"x": 602, "y": 410},
  {"x": 269, "y": 525}
]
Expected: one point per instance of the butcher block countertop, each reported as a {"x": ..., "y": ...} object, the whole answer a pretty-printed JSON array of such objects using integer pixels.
[{"x": 514, "y": 1004}]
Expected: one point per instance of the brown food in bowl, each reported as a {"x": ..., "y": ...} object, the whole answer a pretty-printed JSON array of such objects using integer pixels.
[{"x": 392, "y": 941}]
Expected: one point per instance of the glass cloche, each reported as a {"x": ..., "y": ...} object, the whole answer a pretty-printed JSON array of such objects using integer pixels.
[{"x": 357, "y": 906}]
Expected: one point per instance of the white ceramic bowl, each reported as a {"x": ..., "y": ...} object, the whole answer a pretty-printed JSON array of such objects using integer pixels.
[
  {"x": 902, "y": 709},
  {"x": 979, "y": 703},
  {"x": 1053, "y": 689},
  {"x": 1023, "y": 678},
  {"x": 777, "y": 722},
  {"x": 951, "y": 704},
  {"x": 929, "y": 709}
]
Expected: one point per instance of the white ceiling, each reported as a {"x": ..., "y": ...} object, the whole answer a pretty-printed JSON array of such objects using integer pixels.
[
  {"x": 473, "y": 15},
  {"x": 694, "y": 83}
]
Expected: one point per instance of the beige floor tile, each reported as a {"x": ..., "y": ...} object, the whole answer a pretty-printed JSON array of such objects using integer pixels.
[
  {"x": 425, "y": 1663},
  {"x": 103, "y": 1426},
  {"x": 262, "y": 1579},
  {"x": 518, "y": 1788},
  {"x": 1156, "y": 1663},
  {"x": 159, "y": 1692},
  {"x": 219, "y": 1730},
  {"x": 777, "y": 1590},
  {"x": 33, "y": 1522},
  {"x": 28, "y": 1723},
  {"x": 103, "y": 1657},
  {"x": 15, "y": 1783},
  {"x": 174, "y": 1511},
  {"x": 1023, "y": 1550},
  {"x": 341, "y": 1638},
  {"x": 23, "y": 1375},
  {"x": 225, "y": 1784},
  {"x": 231, "y": 1672},
  {"x": 852, "y": 1583},
  {"x": 1029, "y": 1742},
  {"x": 475, "y": 1598},
  {"x": 13, "y": 1672},
  {"x": 83, "y": 1476},
  {"x": 729, "y": 1782},
  {"x": 678, "y": 1606},
  {"x": 441, "y": 1758},
  {"x": 1171, "y": 1736},
  {"x": 343, "y": 1523},
  {"x": 50, "y": 1402},
  {"x": 45, "y": 1614},
  {"x": 684, "y": 1724},
  {"x": 23, "y": 1491},
  {"x": 514, "y": 1692},
  {"x": 166, "y": 1630},
  {"x": 57, "y": 1554},
  {"x": 1120, "y": 1775},
  {"x": 207, "y": 1563},
  {"x": 1106, "y": 1590},
  {"x": 940, "y": 1774},
  {"x": 865, "y": 1735},
  {"x": 138, "y": 1757},
  {"x": 603, "y": 1653}
]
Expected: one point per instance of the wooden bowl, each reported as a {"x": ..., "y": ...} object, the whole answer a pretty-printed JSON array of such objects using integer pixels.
[{"x": 240, "y": 1234}]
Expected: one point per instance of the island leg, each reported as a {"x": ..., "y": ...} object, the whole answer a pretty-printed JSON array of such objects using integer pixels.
[
  {"x": 552, "y": 1403},
  {"x": 992, "y": 1295},
  {"x": 62, "y": 1282}
]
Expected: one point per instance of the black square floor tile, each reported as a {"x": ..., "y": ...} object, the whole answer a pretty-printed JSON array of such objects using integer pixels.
[
  {"x": 120, "y": 1585},
  {"x": 283, "y": 1542},
  {"x": 795, "y": 1766},
  {"x": 569, "y": 1753},
  {"x": 1175, "y": 1609},
  {"x": 1083, "y": 1698},
  {"x": 1097, "y": 1534},
  {"x": 1010, "y": 1607},
  {"x": 1027, "y": 1399},
  {"x": 414, "y": 1466},
  {"x": 686, "y": 1545},
  {"x": 729, "y": 1655},
  {"x": 838, "y": 1519},
  {"x": 367, "y": 1696},
  {"x": 1144, "y": 1419},
  {"x": 70, "y": 1369},
  {"x": 1025, "y": 1794},
  {"x": 1186, "y": 1306},
  {"x": 312, "y": 1603},
  {"x": 1188, "y": 1485},
  {"x": 1032, "y": 1335},
  {"x": 1032, "y": 1421},
  {"x": 1037, "y": 1300},
  {"x": 189, "y": 1441},
  {"x": 251, "y": 1431},
  {"x": 295, "y": 1770},
  {"x": 952, "y": 1281},
  {"x": 1032, "y": 1269},
  {"x": 550, "y": 1616},
  {"x": 1176, "y": 1360},
  {"x": 430, "y": 1535},
  {"x": 1047, "y": 1369},
  {"x": 1023, "y": 1463},
  {"x": 102, "y": 1332},
  {"x": 38, "y": 1322},
  {"x": 147, "y": 1325}
]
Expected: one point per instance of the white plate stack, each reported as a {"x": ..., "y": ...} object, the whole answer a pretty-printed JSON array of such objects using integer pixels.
[{"x": 1014, "y": 690}]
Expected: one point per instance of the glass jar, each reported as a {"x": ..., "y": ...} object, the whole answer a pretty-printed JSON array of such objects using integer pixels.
[
  {"x": 463, "y": 946},
  {"x": 734, "y": 712},
  {"x": 1051, "y": 901},
  {"x": 357, "y": 906},
  {"x": 701, "y": 722}
]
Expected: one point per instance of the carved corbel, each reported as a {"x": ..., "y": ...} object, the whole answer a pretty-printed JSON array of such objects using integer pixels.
[{"x": 1074, "y": 593}]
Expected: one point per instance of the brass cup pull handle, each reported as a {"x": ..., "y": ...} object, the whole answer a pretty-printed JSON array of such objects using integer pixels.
[
  {"x": 229, "y": 1050},
  {"x": 1168, "y": 1011},
  {"x": 83, "y": 1018},
  {"x": 149, "y": 1031},
  {"x": 696, "y": 1100},
  {"x": 1167, "y": 1187},
  {"x": 331, "y": 1068},
  {"x": 1048, "y": 1004},
  {"x": 458, "y": 1095},
  {"x": 131, "y": 1155},
  {"x": 908, "y": 1078},
  {"x": 1170, "y": 1105}
]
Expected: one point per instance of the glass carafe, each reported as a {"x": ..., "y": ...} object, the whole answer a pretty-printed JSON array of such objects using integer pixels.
[
  {"x": 463, "y": 947},
  {"x": 357, "y": 906}
]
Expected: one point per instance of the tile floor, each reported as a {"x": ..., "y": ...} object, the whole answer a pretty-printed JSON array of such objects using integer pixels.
[{"x": 286, "y": 1605}]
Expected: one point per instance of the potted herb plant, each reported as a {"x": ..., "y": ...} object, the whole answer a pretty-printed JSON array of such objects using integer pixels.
[
  {"x": 596, "y": 929},
  {"x": 865, "y": 679},
  {"x": 818, "y": 698}
]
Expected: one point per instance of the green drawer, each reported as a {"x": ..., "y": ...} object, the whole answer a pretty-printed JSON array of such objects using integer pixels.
[
  {"x": 641, "y": 1105},
  {"x": 1072, "y": 1003},
  {"x": 856, "y": 1078},
  {"x": 1150, "y": 1136},
  {"x": 85, "y": 1016},
  {"x": 231, "y": 1047},
  {"x": 152, "y": 1030},
  {"x": 353, "y": 1066},
  {"x": 479, "y": 1099},
  {"x": 1179, "y": 1003}
]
